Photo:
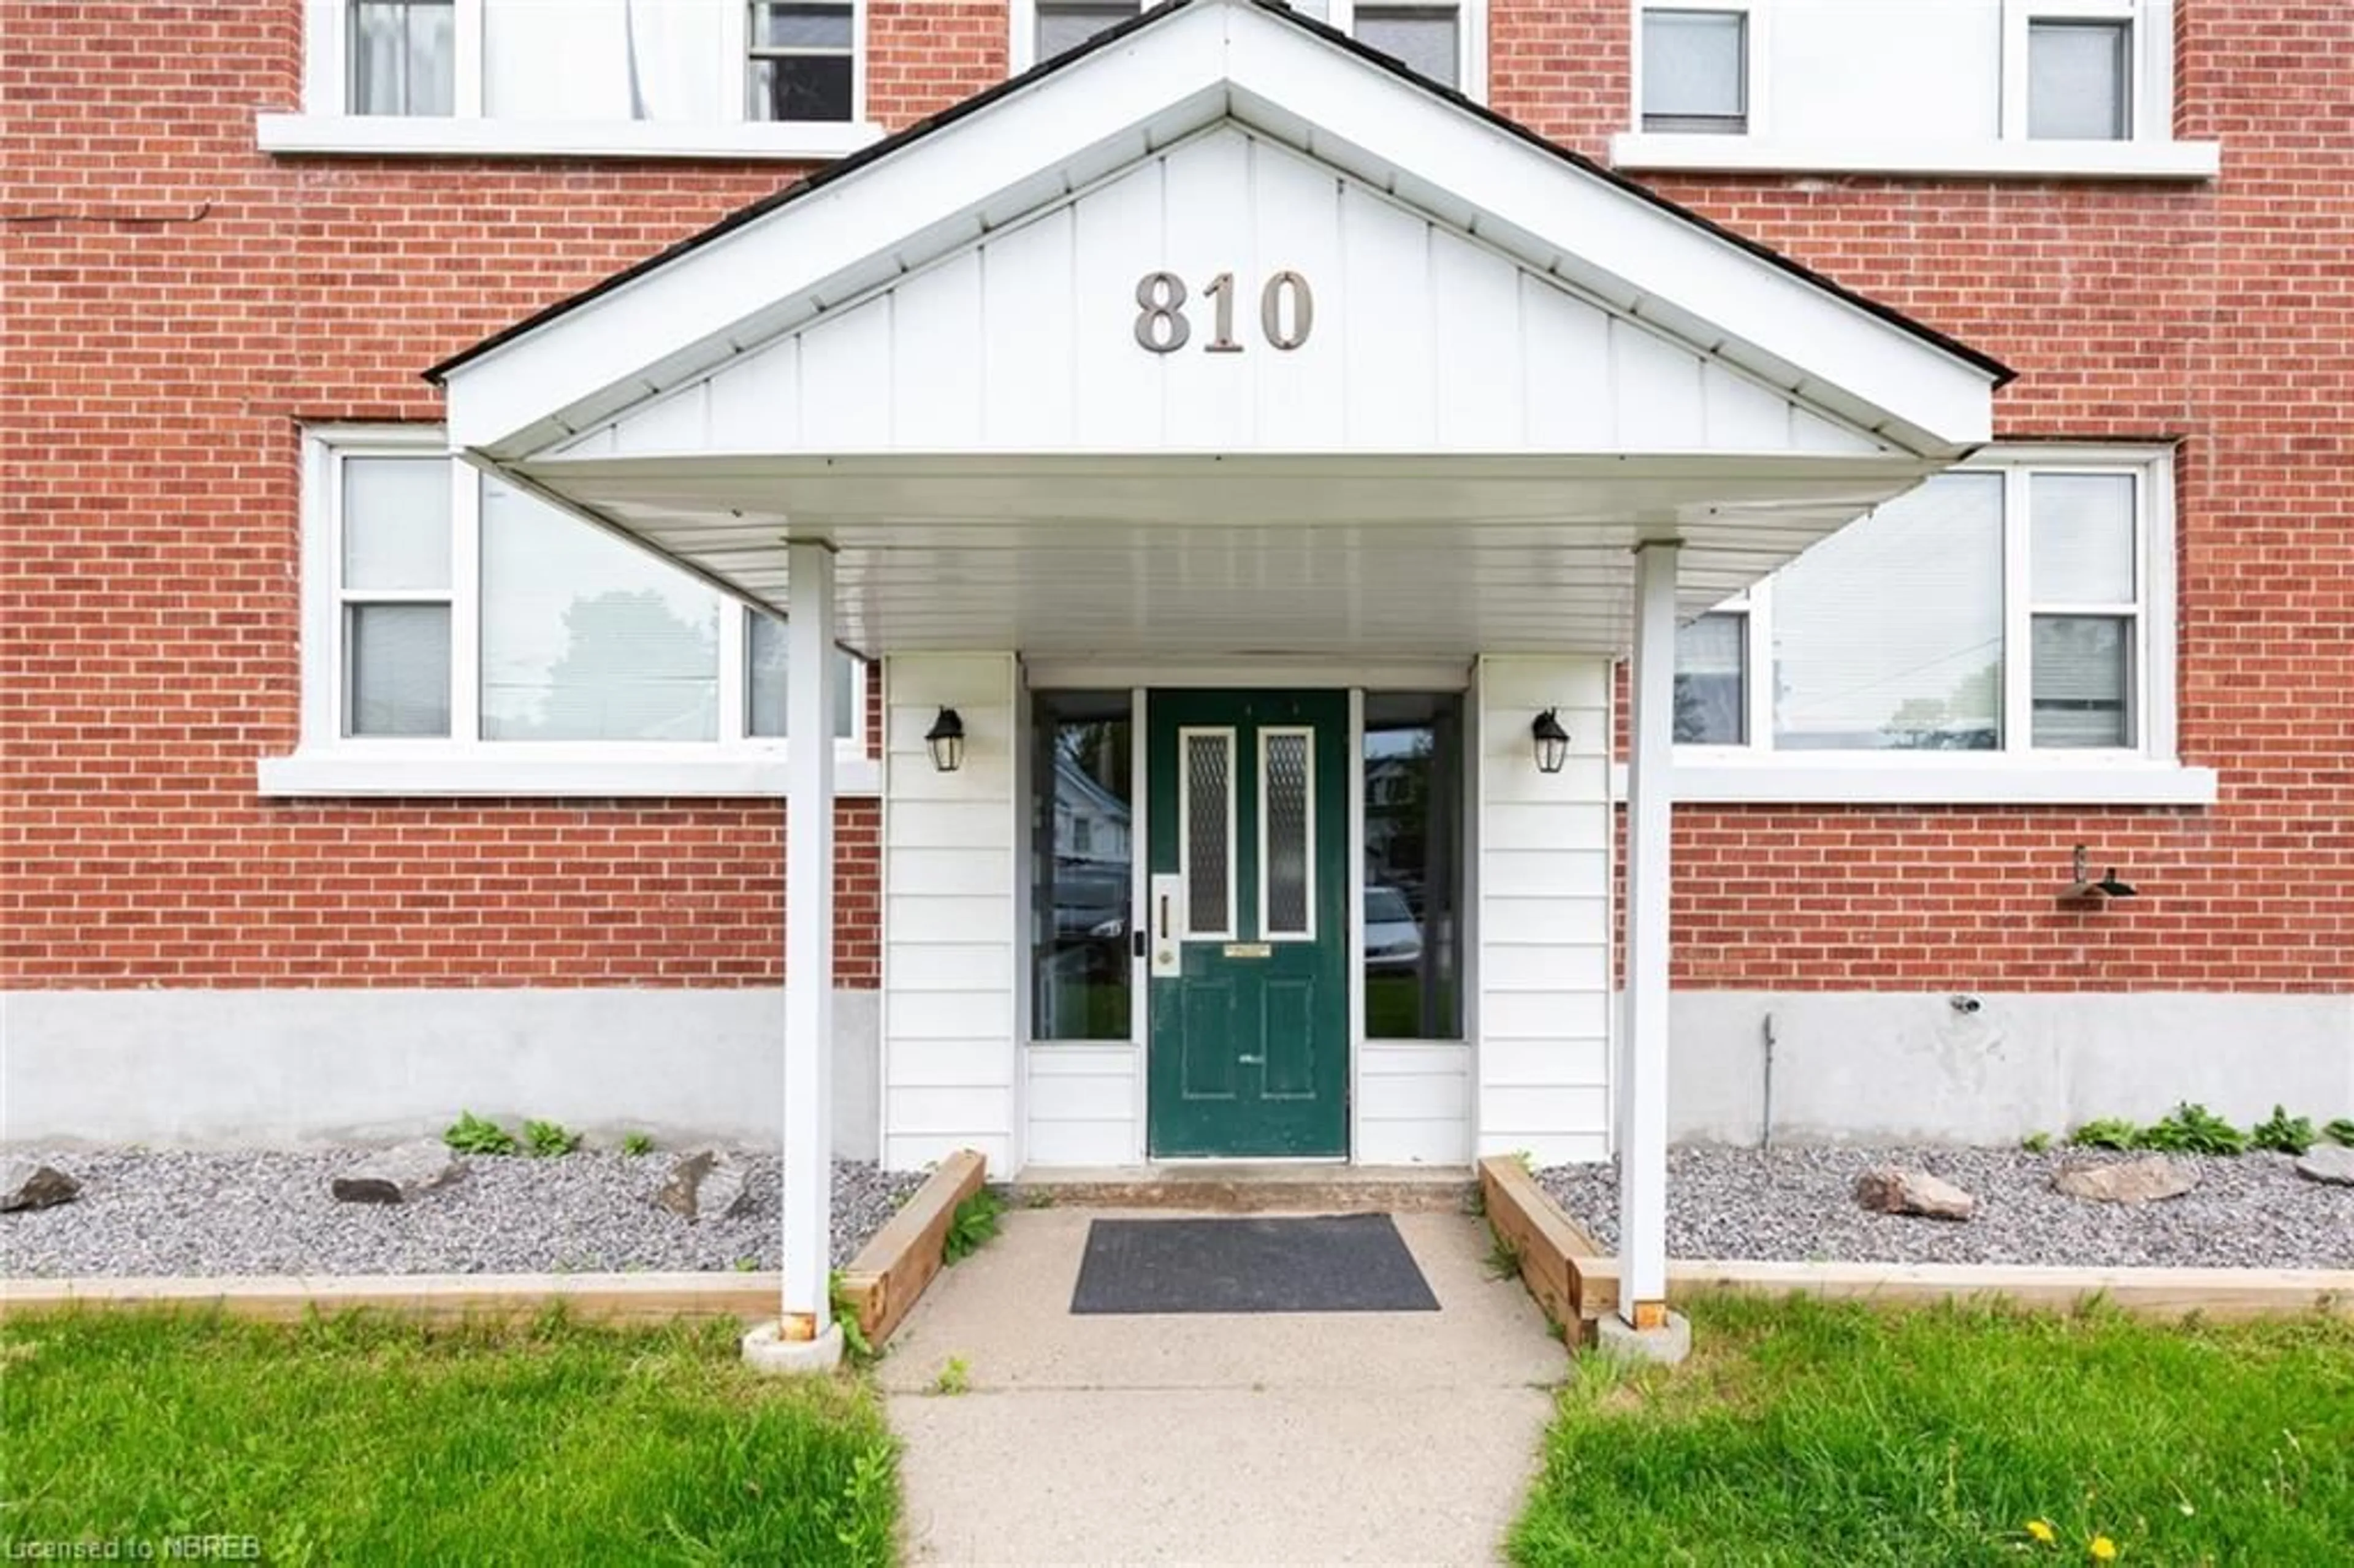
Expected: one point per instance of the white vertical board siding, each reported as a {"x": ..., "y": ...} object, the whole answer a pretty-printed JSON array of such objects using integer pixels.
[
  {"x": 1542, "y": 1070},
  {"x": 951, "y": 914},
  {"x": 1083, "y": 1102},
  {"x": 1422, "y": 339},
  {"x": 1414, "y": 1103}
]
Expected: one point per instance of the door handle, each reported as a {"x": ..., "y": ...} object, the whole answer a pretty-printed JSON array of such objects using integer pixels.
[{"x": 1164, "y": 917}]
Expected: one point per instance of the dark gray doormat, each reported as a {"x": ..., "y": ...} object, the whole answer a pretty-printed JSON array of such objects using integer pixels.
[{"x": 1338, "y": 1263}]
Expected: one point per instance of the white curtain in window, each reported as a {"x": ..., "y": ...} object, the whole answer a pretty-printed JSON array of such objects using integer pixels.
[
  {"x": 584, "y": 638},
  {"x": 1889, "y": 634},
  {"x": 609, "y": 59}
]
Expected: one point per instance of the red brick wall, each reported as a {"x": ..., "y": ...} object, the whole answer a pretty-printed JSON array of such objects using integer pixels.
[
  {"x": 2218, "y": 314},
  {"x": 176, "y": 306}
]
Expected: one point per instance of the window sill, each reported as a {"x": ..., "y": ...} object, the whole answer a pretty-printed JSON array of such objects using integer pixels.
[
  {"x": 1912, "y": 782},
  {"x": 373, "y": 135},
  {"x": 572, "y": 772},
  {"x": 1983, "y": 160}
]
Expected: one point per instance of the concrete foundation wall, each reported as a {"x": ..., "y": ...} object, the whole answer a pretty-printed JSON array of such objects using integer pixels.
[
  {"x": 277, "y": 1067},
  {"x": 1868, "y": 1067}
]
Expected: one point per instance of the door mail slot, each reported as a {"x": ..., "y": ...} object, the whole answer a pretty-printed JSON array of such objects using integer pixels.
[{"x": 1250, "y": 950}]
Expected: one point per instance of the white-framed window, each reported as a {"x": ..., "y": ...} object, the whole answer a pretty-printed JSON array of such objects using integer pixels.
[
  {"x": 1696, "y": 69},
  {"x": 2024, "y": 87},
  {"x": 652, "y": 78},
  {"x": 2011, "y": 614},
  {"x": 1445, "y": 40},
  {"x": 2071, "y": 69},
  {"x": 463, "y": 636}
]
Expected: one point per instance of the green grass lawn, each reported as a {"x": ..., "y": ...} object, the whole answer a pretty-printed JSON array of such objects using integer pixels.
[
  {"x": 368, "y": 1441},
  {"x": 1805, "y": 1432}
]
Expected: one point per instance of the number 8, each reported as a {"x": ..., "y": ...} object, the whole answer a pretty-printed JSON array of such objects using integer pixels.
[{"x": 1160, "y": 298}]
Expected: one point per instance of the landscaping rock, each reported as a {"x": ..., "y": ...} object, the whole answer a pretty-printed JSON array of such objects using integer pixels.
[
  {"x": 28, "y": 1184},
  {"x": 2330, "y": 1162},
  {"x": 1890, "y": 1190},
  {"x": 397, "y": 1174},
  {"x": 2131, "y": 1181},
  {"x": 705, "y": 1185}
]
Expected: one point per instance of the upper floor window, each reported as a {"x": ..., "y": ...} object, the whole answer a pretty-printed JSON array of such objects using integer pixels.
[
  {"x": 404, "y": 57},
  {"x": 2079, "y": 78},
  {"x": 1695, "y": 71},
  {"x": 804, "y": 61},
  {"x": 450, "y": 611},
  {"x": 1445, "y": 40},
  {"x": 680, "y": 76},
  {"x": 2025, "y": 87},
  {"x": 2008, "y": 605}
]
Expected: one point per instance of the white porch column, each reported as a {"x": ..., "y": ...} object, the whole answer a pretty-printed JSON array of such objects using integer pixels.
[
  {"x": 1643, "y": 1068},
  {"x": 807, "y": 1197}
]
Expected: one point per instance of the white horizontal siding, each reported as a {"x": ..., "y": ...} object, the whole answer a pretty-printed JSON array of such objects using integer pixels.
[
  {"x": 1543, "y": 1079},
  {"x": 1081, "y": 1104},
  {"x": 949, "y": 915},
  {"x": 1422, "y": 339},
  {"x": 1414, "y": 1103}
]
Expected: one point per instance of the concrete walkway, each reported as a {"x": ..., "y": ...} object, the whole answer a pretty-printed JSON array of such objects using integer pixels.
[{"x": 1290, "y": 1438}]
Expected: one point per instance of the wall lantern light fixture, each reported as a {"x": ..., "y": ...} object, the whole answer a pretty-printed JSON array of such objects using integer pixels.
[
  {"x": 2081, "y": 886},
  {"x": 1551, "y": 741},
  {"x": 945, "y": 738}
]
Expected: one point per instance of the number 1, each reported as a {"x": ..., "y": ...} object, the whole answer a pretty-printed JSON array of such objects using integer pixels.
[{"x": 1222, "y": 289}]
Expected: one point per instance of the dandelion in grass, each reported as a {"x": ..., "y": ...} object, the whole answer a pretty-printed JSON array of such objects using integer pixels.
[
  {"x": 2043, "y": 1532},
  {"x": 2103, "y": 1549}
]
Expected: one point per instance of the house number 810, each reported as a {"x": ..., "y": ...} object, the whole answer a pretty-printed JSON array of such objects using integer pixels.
[{"x": 1162, "y": 326}]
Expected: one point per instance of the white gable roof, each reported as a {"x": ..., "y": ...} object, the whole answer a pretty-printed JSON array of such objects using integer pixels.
[
  {"x": 1633, "y": 326},
  {"x": 1418, "y": 338}
]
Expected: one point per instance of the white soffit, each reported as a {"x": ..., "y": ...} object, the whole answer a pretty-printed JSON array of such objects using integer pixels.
[{"x": 1073, "y": 126}]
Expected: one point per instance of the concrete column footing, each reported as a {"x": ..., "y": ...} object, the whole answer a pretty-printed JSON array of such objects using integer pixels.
[
  {"x": 1668, "y": 1345},
  {"x": 766, "y": 1350}
]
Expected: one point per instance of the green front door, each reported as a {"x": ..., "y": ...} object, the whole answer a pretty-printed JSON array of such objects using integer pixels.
[{"x": 1246, "y": 935}]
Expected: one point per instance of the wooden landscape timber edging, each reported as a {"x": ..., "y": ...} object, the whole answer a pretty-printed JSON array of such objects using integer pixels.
[
  {"x": 884, "y": 1282},
  {"x": 1577, "y": 1283},
  {"x": 429, "y": 1297}
]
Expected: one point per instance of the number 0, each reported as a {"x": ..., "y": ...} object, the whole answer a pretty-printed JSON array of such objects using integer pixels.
[{"x": 1270, "y": 309}]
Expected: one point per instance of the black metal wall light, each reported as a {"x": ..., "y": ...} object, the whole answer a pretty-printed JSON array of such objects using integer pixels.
[{"x": 946, "y": 739}]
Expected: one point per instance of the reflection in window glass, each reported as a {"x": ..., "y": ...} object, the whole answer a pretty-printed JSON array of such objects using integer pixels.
[
  {"x": 1713, "y": 681},
  {"x": 1413, "y": 866},
  {"x": 584, "y": 638},
  {"x": 769, "y": 662},
  {"x": 1888, "y": 635},
  {"x": 1083, "y": 862}
]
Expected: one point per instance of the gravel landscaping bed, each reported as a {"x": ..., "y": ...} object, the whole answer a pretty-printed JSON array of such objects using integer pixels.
[
  {"x": 168, "y": 1213},
  {"x": 1798, "y": 1204}
]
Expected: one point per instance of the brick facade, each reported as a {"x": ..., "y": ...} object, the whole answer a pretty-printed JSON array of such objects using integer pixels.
[{"x": 178, "y": 306}]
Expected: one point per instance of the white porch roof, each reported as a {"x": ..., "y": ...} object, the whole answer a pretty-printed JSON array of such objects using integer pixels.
[{"x": 1520, "y": 367}]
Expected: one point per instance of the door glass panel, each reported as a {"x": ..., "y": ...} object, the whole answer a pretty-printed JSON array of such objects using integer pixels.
[
  {"x": 1287, "y": 825},
  {"x": 1413, "y": 866},
  {"x": 1208, "y": 812},
  {"x": 1083, "y": 850}
]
